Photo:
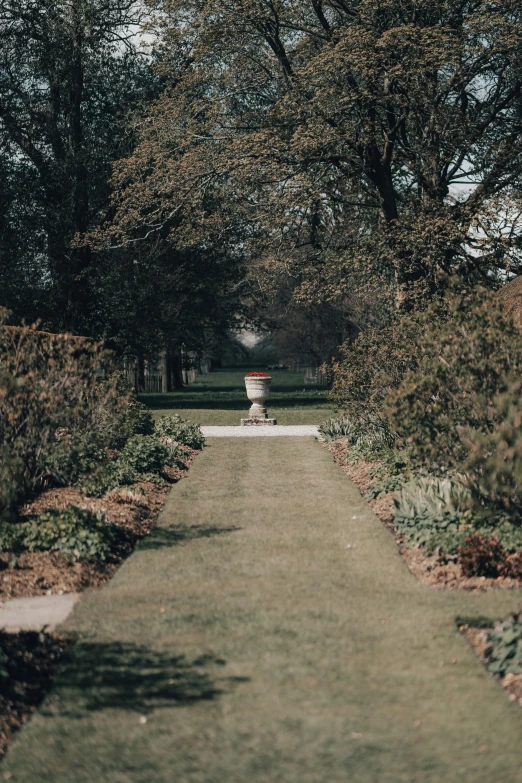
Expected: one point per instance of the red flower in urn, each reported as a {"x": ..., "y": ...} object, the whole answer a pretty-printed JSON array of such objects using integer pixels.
[{"x": 257, "y": 375}]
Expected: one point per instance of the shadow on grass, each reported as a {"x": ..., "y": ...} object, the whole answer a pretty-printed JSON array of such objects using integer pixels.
[
  {"x": 160, "y": 537},
  {"x": 133, "y": 678}
]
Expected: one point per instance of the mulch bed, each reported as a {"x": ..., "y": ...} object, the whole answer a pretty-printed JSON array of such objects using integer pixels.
[
  {"x": 428, "y": 569},
  {"x": 33, "y": 662},
  {"x": 135, "y": 509}
]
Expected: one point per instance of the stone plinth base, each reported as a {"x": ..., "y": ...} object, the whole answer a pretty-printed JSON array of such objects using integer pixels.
[{"x": 253, "y": 421}]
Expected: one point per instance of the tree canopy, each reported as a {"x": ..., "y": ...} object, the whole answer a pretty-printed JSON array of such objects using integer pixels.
[{"x": 337, "y": 138}]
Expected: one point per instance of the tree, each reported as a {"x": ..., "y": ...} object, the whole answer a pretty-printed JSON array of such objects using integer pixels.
[
  {"x": 69, "y": 71},
  {"x": 338, "y": 138}
]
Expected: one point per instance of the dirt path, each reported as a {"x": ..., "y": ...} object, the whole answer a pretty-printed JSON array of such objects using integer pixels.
[{"x": 268, "y": 632}]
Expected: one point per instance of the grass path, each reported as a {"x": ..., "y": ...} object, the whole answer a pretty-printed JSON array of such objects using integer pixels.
[{"x": 268, "y": 632}]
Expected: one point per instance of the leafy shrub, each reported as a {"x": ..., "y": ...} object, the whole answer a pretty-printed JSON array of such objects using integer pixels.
[
  {"x": 54, "y": 414},
  {"x": 460, "y": 408},
  {"x": 144, "y": 454},
  {"x": 481, "y": 556},
  {"x": 179, "y": 430},
  {"x": 75, "y": 531},
  {"x": 434, "y": 513},
  {"x": 104, "y": 478},
  {"x": 513, "y": 565},
  {"x": 505, "y": 651},
  {"x": 373, "y": 365},
  {"x": 138, "y": 419},
  {"x": 132, "y": 418},
  {"x": 334, "y": 429},
  {"x": 391, "y": 482},
  {"x": 494, "y": 461}
]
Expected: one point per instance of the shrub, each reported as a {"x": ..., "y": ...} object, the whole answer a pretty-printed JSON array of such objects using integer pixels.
[
  {"x": 104, "y": 478},
  {"x": 505, "y": 651},
  {"x": 435, "y": 514},
  {"x": 385, "y": 485},
  {"x": 481, "y": 556},
  {"x": 75, "y": 531},
  {"x": 53, "y": 412},
  {"x": 460, "y": 408},
  {"x": 144, "y": 454},
  {"x": 513, "y": 565},
  {"x": 390, "y": 474},
  {"x": 494, "y": 461},
  {"x": 179, "y": 430},
  {"x": 373, "y": 365}
]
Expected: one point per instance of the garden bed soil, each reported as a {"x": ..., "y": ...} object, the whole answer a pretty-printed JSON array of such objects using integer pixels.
[
  {"x": 34, "y": 661},
  {"x": 428, "y": 569},
  {"x": 478, "y": 640},
  {"x": 135, "y": 509}
]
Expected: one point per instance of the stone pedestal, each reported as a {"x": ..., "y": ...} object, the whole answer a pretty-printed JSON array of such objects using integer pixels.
[{"x": 257, "y": 389}]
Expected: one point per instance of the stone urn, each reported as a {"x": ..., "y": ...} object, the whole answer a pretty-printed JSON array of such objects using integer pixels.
[{"x": 258, "y": 389}]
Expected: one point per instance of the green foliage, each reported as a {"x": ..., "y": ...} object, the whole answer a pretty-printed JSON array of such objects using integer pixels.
[
  {"x": 104, "y": 478},
  {"x": 368, "y": 435},
  {"x": 391, "y": 482},
  {"x": 460, "y": 408},
  {"x": 74, "y": 455},
  {"x": 334, "y": 429},
  {"x": 144, "y": 454},
  {"x": 179, "y": 430},
  {"x": 429, "y": 512},
  {"x": 435, "y": 514},
  {"x": 372, "y": 366},
  {"x": 74, "y": 531},
  {"x": 389, "y": 474},
  {"x": 51, "y": 408},
  {"x": 505, "y": 651},
  {"x": 494, "y": 461},
  {"x": 59, "y": 424}
]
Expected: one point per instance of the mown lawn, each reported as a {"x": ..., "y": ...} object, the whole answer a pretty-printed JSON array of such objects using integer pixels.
[
  {"x": 267, "y": 631},
  {"x": 220, "y": 398}
]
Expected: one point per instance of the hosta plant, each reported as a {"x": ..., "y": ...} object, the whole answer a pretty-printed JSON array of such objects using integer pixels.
[{"x": 427, "y": 507}]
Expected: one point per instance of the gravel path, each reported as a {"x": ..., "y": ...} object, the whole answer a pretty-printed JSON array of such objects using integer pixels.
[
  {"x": 261, "y": 431},
  {"x": 36, "y": 613}
]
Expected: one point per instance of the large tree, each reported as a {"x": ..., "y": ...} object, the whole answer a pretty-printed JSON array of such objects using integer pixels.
[
  {"x": 336, "y": 139},
  {"x": 69, "y": 72}
]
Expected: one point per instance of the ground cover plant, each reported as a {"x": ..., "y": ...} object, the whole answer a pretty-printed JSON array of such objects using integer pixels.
[{"x": 499, "y": 647}]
